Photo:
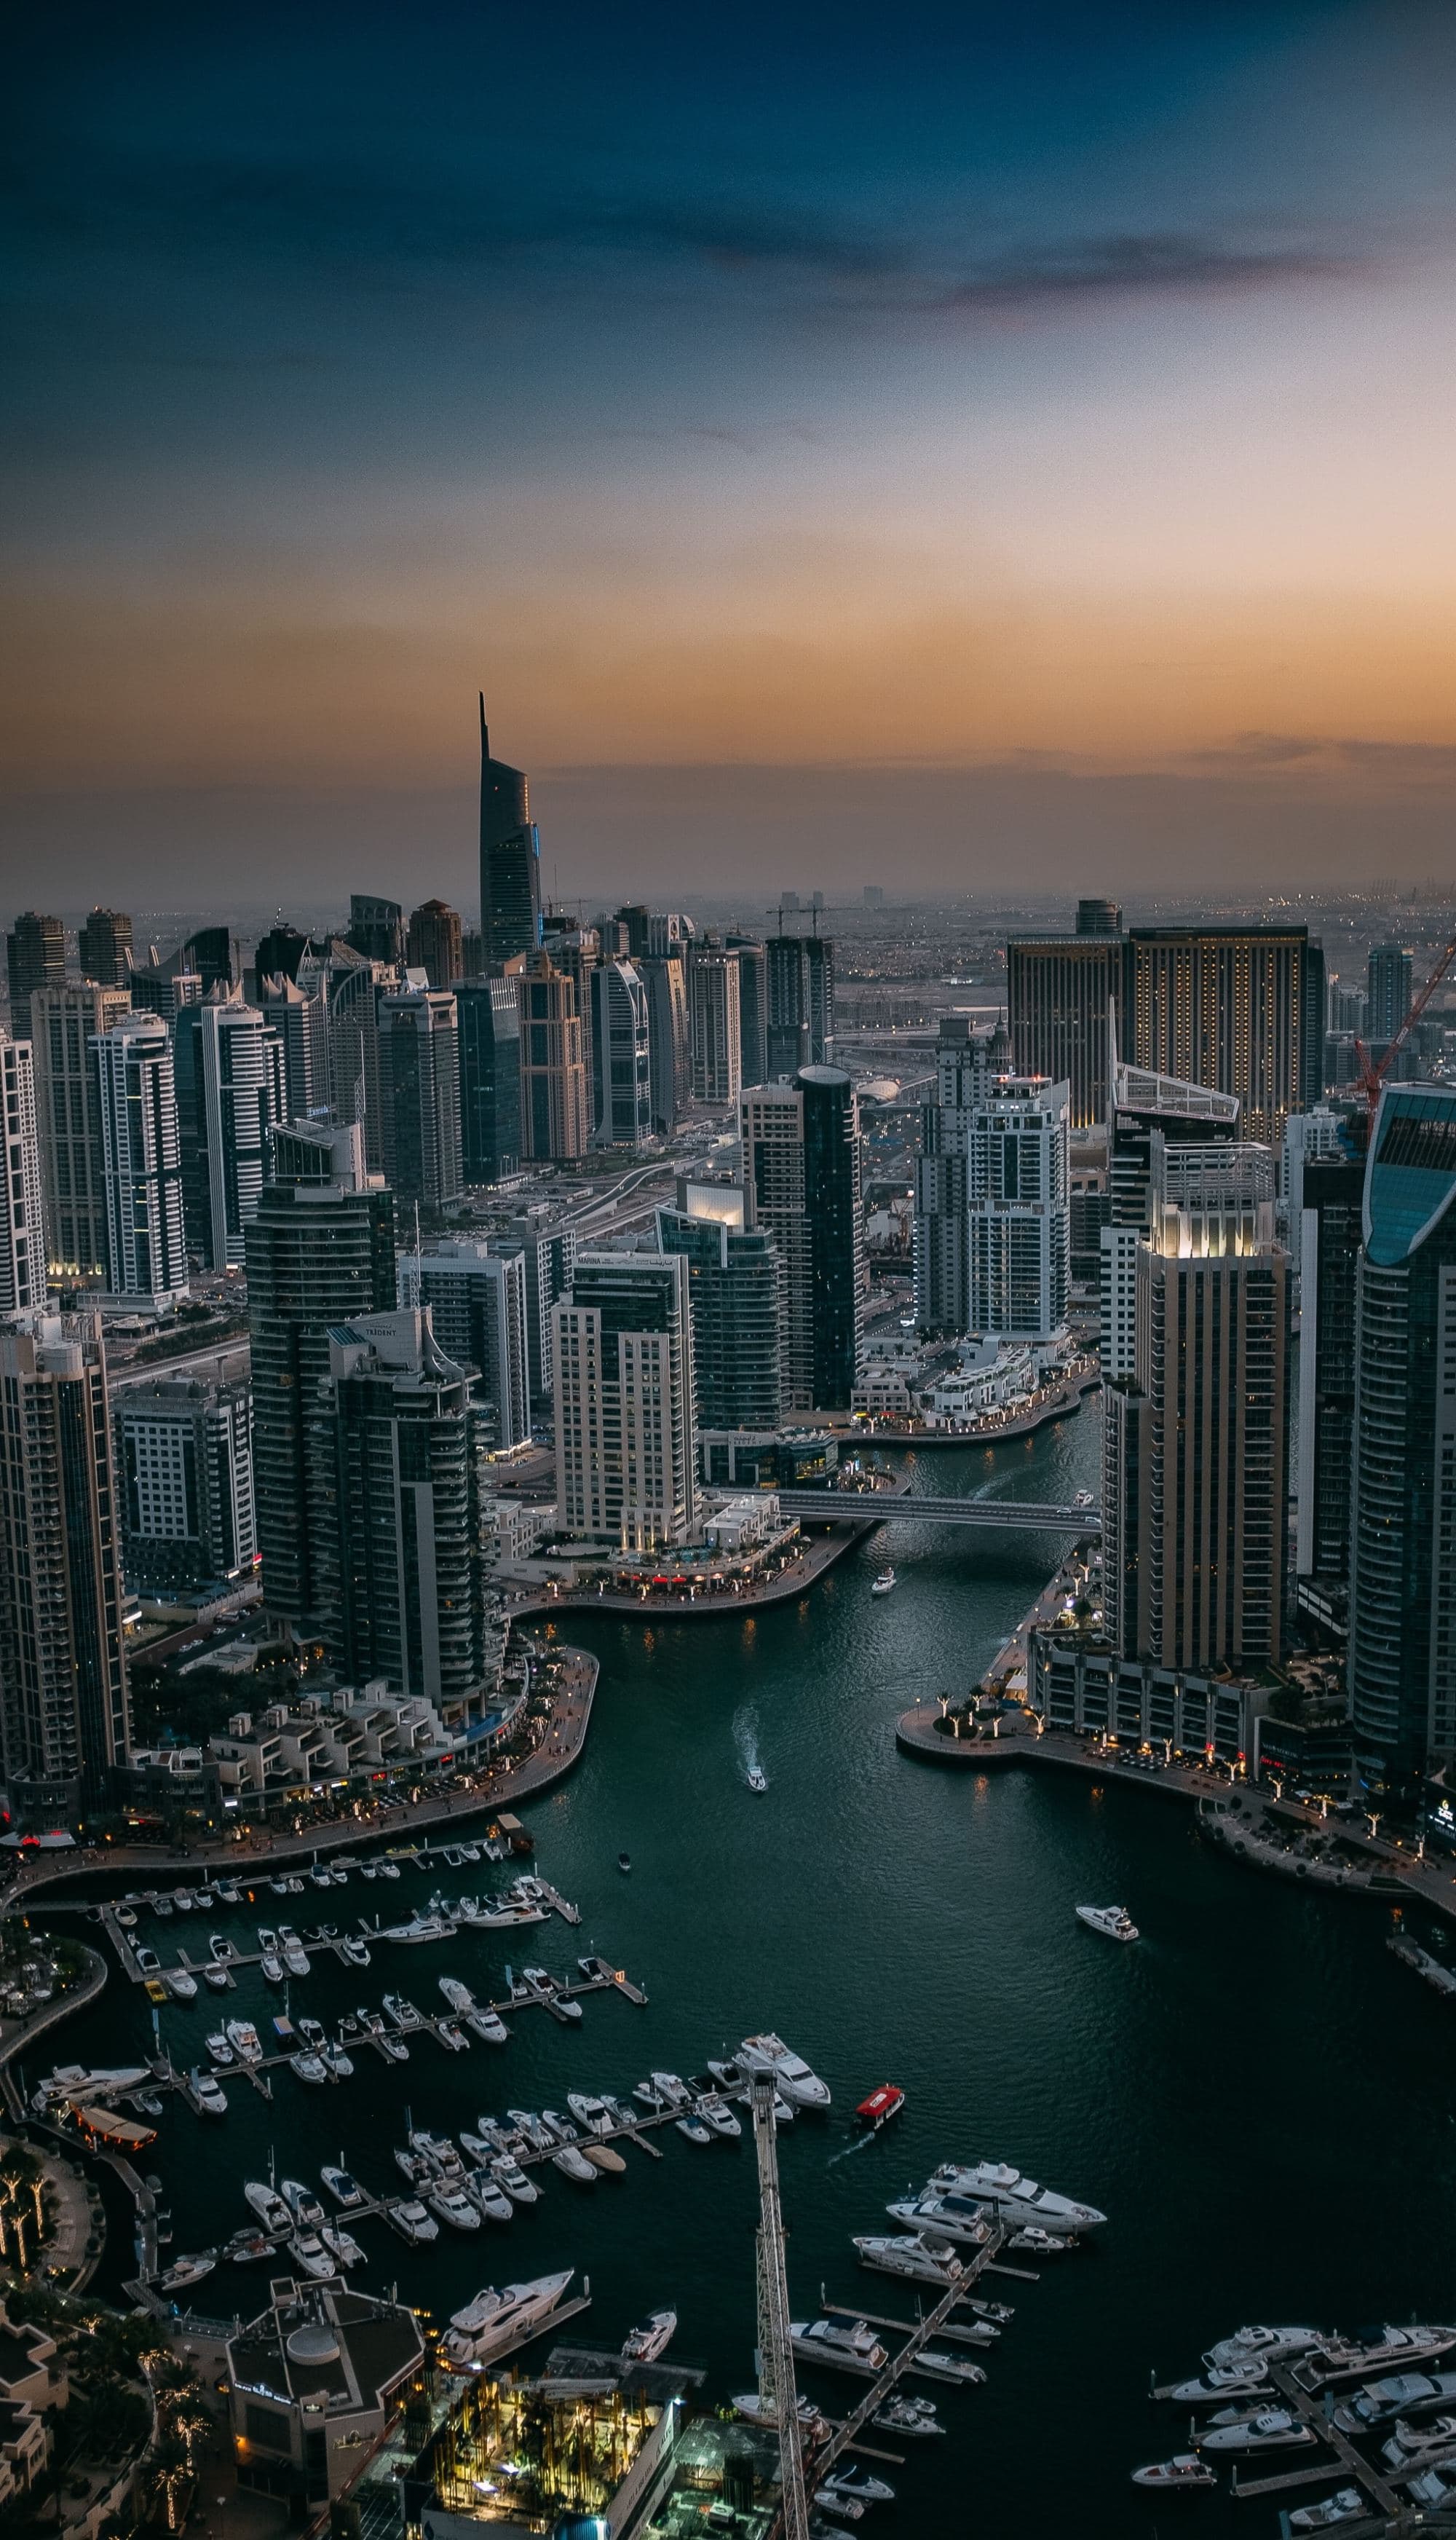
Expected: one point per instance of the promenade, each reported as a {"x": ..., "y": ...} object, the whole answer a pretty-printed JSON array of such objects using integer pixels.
[
  {"x": 989, "y": 1432},
  {"x": 720, "y": 1601}
]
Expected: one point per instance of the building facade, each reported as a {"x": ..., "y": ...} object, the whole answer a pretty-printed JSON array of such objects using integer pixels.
[
  {"x": 735, "y": 1306},
  {"x": 489, "y": 1018},
  {"x": 510, "y": 859},
  {"x": 476, "y": 1298},
  {"x": 230, "y": 1094},
  {"x": 36, "y": 957},
  {"x": 621, "y": 1056},
  {"x": 801, "y": 1182},
  {"x": 1060, "y": 992},
  {"x": 420, "y": 1097},
  {"x": 717, "y": 1043},
  {"x": 141, "y": 1164},
  {"x": 1019, "y": 1258},
  {"x": 65, "y": 1022},
  {"x": 1239, "y": 1009},
  {"x": 1332, "y": 1195},
  {"x": 626, "y": 1452},
  {"x": 106, "y": 949},
  {"x": 24, "y": 1280},
  {"x": 184, "y": 1448},
  {"x": 433, "y": 943},
  {"x": 967, "y": 1063},
  {"x": 553, "y": 1074},
  {"x": 1150, "y": 1113}
]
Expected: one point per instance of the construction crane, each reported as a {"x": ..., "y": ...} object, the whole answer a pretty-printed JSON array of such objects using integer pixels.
[
  {"x": 777, "y": 2393},
  {"x": 1370, "y": 1077}
]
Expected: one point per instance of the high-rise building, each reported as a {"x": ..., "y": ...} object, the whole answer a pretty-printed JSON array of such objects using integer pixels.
[
  {"x": 1308, "y": 1136},
  {"x": 1388, "y": 992},
  {"x": 753, "y": 1009},
  {"x": 967, "y": 1064},
  {"x": 1403, "y": 1465},
  {"x": 477, "y": 1297},
  {"x": 626, "y": 1450},
  {"x": 434, "y": 943},
  {"x": 801, "y": 1185},
  {"x": 800, "y": 979},
  {"x": 574, "y": 951},
  {"x": 299, "y": 1015},
  {"x": 63, "y": 1693},
  {"x": 621, "y": 1055},
  {"x": 553, "y": 1075},
  {"x": 236, "y": 1094},
  {"x": 321, "y": 1251},
  {"x": 165, "y": 992},
  {"x": 1330, "y": 1232},
  {"x": 23, "y": 1247},
  {"x": 1196, "y": 1446},
  {"x": 1060, "y": 992},
  {"x": 353, "y": 985},
  {"x": 733, "y": 1298},
  {"x": 141, "y": 1164},
  {"x": 669, "y": 1040},
  {"x": 106, "y": 949},
  {"x": 548, "y": 1255},
  {"x": 510, "y": 859},
  {"x": 1150, "y": 1113},
  {"x": 420, "y": 1095},
  {"x": 36, "y": 953},
  {"x": 1344, "y": 1006},
  {"x": 472, "y": 952},
  {"x": 1240, "y": 1009},
  {"x": 489, "y": 1012},
  {"x": 65, "y": 1022},
  {"x": 183, "y": 1448},
  {"x": 279, "y": 954},
  {"x": 1098, "y": 917},
  {"x": 376, "y": 928},
  {"x": 1018, "y": 1254},
  {"x": 716, "y": 1024},
  {"x": 393, "y": 1451}
]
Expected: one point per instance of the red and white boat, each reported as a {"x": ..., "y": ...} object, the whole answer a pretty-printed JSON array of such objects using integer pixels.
[{"x": 880, "y": 2106}]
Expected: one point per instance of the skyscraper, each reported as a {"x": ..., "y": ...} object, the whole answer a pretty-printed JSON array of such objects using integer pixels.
[
  {"x": 753, "y": 1013},
  {"x": 1196, "y": 1446},
  {"x": 1403, "y": 1466},
  {"x": 669, "y": 1058},
  {"x": 353, "y": 988},
  {"x": 184, "y": 1478},
  {"x": 1098, "y": 917},
  {"x": 626, "y": 1450},
  {"x": 1018, "y": 1253},
  {"x": 510, "y": 859},
  {"x": 1330, "y": 1233},
  {"x": 553, "y": 1075},
  {"x": 714, "y": 1024},
  {"x": 238, "y": 1094},
  {"x": 477, "y": 1297},
  {"x": 141, "y": 1163},
  {"x": 1388, "y": 992},
  {"x": 800, "y": 980},
  {"x": 489, "y": 1012},
  {"x": 547, "y": 1248},
  {"x": 22, "y": 1247},
  {"x": 299, "y": 1015},
  {"x": 1239, "y": 1009},
  {"x": 280, "y": 954},
  {"x": 1149, "y": 1114},
  {"x": 106, "y": 949},
  {"x": 65, "y": 1022},
  {"x": 215, "y": 954},
  {"x": 36, "y": 953},
  {"x": 801, "y": 1185},
  {"x": 621, "y": 1056},
  {"x": 420, "y": 1095},
  {"x": 733, "y": 1299},
  {"x": 967, "y": 1064},
  {"x": 1060, "y": 990},
  {"x": 320, "y": 1251},
  {"x": 376, "y": 928},
  {"x": 432, "y": 944},
  {"x": 63, "y": 1693}
]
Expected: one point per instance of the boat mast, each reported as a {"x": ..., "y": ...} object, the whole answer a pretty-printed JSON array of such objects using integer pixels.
[{"x": 777, "y": 2392}]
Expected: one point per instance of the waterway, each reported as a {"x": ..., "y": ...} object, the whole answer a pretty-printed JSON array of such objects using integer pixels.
[{"x": 1258, "y": 2095}]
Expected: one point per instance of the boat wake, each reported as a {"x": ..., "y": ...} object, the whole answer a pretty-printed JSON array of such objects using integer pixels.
[
  {"x": 859, "y": 2143},
  {"x": 745, "y": 1738}
]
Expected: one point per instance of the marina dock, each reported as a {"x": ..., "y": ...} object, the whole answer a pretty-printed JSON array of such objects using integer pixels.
[{"x": 917, "y": 2338}]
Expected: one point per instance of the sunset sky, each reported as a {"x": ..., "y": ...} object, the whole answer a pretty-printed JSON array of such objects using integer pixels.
[{"x": 1023, "y": 430}]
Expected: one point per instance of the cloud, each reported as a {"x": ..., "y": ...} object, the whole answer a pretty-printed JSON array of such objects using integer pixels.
[
  {"x": 1396, "y": 764},
  {"x": 1133, "y": 265}
]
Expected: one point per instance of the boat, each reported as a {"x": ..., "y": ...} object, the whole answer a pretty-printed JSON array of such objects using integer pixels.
[
  {"x": 244, "y": 2041},
  {"x": 1224, "y": 2381},
  {"x": 624, "y": 1860},
  {"x": 246, "y": 2248},
  {"x": 749, "y": 2406},
  {"x": 411, "y": 2222},
  {"x": 1185, "y": 2469},
  {"x": 881, "y": 2104},
  {"x": 402, "y": 2012},
  {"x": 1114, "y": 1922},
  {"x": 488, "y": 2026},
  {"x": 302, "y": 2203},
  {"x": 694, "y": 2129},
  {"x": 1264, "y": 2346},
  {"x": 272, "y": 1967},
  {"x": 840, "y": 2346},
  {"x": 181, "y": 1898},
  {"x": 572, "y": 2163},
  {"x": 1034, "y": 2242},
  {"x": 320, "y": 1878},
  {"x": 756, "y": 1778},
  {"x": 547, "y": 1990},
  {"x": 531, "y": 2130},
  {"x": 602, "y": 2156},
  {"x": 672, "y": 2091},
  {"x": 454, "y": 2206},
  {"x": 493, "y": 2321},
  {"x": 508, "y": 2173},
  {"x": 221, "y": 1951},
  {"x": 341, "y": 2245},
  {"x": 1399, "y": 2394},
  {"x": 492, "y": 2201},
  {"x": 436, "y": 2150},
  {"x": 1268, "y": 2429},
  {"x": 340, "y": 2065},
  {"x": 715, "y": 2113},
  {"x": 1418, "y": 2344},
  {"x": 356, "y": 1951},
  {"x": 296, "y": 1958},
  {"x": 945, "y": 2217},
  {"x": 268, "y": 2206},
  {"x": 308, "y": 2252},
  {"x": 906, "y": 2416},
  {"x": 1431, "y": 2446},
  {"x": 343, "y": 2185},
  {"x": 851, "y": 2479},
  {"x": 188, "y": 2271},
  {"x": 218, "y": 2047},
  {"x": 947, "y": 2367},
  {"x": 420, "y": 1928},
  {"x": 453, "y": 2037},
  {"x": 1344, "y": 2505},
  {"x": 206, "y": 2094},
  {"x": 843, "y": 2509},
  {"x": 180, "y": 1984},
  {"x": 387, "y": 1869},
  {"x": 228, "y": 1892},
  {"x": 588, "y": 2113},
  {"x": 881, "y": 1584},
  {"x": 126, "y": 1918},
  {"x": 768, "y": 2055},
  {"x": 926, "y": 2261},
  {"x": 217, "y": 1978},
  {"x": 458, "y": 1996},
  {"x": 308, "y": 2066},
  {"x": 1015, "y": 2197},
  {"x": 643, "y": 2345}
]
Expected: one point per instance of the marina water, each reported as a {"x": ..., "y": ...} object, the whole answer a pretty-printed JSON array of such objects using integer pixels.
[{"x": 1258, "y": 2095}]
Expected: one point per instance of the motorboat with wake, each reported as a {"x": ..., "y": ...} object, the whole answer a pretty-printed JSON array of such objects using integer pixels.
[
  {"x": 756, "y": 1778},
  {"x": 883, "y": 1583},
  {"x": 882, "y": 2103}
]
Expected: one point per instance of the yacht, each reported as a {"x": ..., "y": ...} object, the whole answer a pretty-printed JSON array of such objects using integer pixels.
[
  {"x": 1411, "y": 2446},
  {"x": 341, "y": 2245},
  {"x": 588, "y": 2113},
  {"x": 402, "y": 2012},
  {"x": 340, "y": 2065},
  {"x": 532, "y": 2130},
  {"x": 716, "y": 2114},
  {"x": 387, "y": 1870},
  {"x": 757, "y": 1778},
  {"x": 218, "y": 2047},
  {"x": 454, "y": 2206},
  {"x": 356, "y": 1951},
  {"x": 492, "y": 2201},
  {"x": 572, "y": 2163},
  {"x": 295, "y": 1955},
  {"x": 840, "y": 2346},
  {"x": 308, "y": 2252},
  {"x": 421, "y": 1927},
  {"x": 488, "y": 2026},
  {"x": 1185, "y": 2469},
  {"x": 1014, "y": 2198},
  {"x": 458, "y": 1996},
  {"x": 1262, "y": 2346},
  {"x": 749, "y": 2406},
  {"x": 216, "y": 1977},
  {"x": 493, "y": 2321},
  {"x": 947, "y": 2367},
  {"x": 188, "y": 2271},
  {"x": 882, "y": 1584},
  {"x": 905, "y": 2415},
  {"x": 343, "y": 2185},
  {"x": 694, "y": 2129},
  {"x": 436, "y": 2150},
  {"x": 411, "y": 2222},
  {"x": 268, "y": 2206},
  {"x": 246, "y": 2248},
  {"x": 207, "y": 2095},
  {"x": 507, "y": 2172},
  {"x": 789, "y": 2072},
  {"x": 272, "y": 1967},
  {"x": 547, "y": 1990},
  {"x": 945, "y": 2217},
  {"x": 1377, "y": 2345},
  {"x": 1222, "y": 2381},
  {"x": 228, "y": 1892},
  {"x": 453, "y": 2037},
  {"x": 1269, "y": 2430},
  {"x": 221, "y": 1951},
  {"x": 1397, "y": 2395},
  {"x": 302, "y": 2203},
  {"x": 643, "y": 2345},
  {"x": 854, "y": 2481},
  {"x": 927, "y": 2261},
  {"x": 1344, "y": 2505},
  {"x": 244, "y": 2041},
  {"x": 1037, "y": 2243},
  {"x": 182, "y": 1985},
  {"x": 602, "y": 2156},
  {"x": 308, "y": 2066},
  {"x": 1114, "y": 1922}
]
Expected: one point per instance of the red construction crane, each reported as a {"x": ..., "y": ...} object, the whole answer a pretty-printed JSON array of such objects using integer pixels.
[{"x": 1370, "y": 1078}]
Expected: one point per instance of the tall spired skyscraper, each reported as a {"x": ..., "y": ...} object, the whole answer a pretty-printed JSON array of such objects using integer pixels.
[{"x": 510, "y": 859}]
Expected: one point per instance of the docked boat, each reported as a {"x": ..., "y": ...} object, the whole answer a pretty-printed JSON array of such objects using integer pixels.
[
  {"x": 643, "y": 2345},
  {"x": 188, "y": 2271},
  {"x": 749, "y": 2406},
  {"x": 487, "y": 2025},
  {"x": 268, "y": 2206},
  {"x": 1399, "y": 2394},
  {"x": 881, "y": 2104},
  {"x": 308, "y": 2252},
  {"x": 572, "y": 2163},
  {"x": 218, "y": 2047},
  {"x": 451, "y": 2037},
  {"x": 272, "y": 1967},
  {"x": 420, "y": 1928},
  {"x": 1344, "y": 2506},
  {"x": 925, "y": 2261},
  {"x": 945, "y": 2217},
  {"x": 602, "y": 2156},
  {"x": 411, "y": 2221},
  {"x": 308, "y": 2066},
  {"x": 588, "y": 2113},
  {"x": 1412, "y": 2446},
  {"x": 206, "y": 2094},
  {"x": 715, "y": 2113},
  {"x": 902, "y": 2415},
  {"x": 1184, "y": 2470},
  {"x": 694, "y": 2130},
  {"x": 387, "y": 1869},
  {"x": 949, "y": 2367},
  {"x": 1264, "y": 2346},
  {"x": 493, "y": 2321},
  {"x": 560, "y": 2128},
  {"x": 883, "y": 1583},
  {"x": 547, "y": 1990},
  {"x": 302, "y": 2203},
  {"x": 1271, "y": 2429},
  {"x": 1014, "y": 2198},
  {"x": 341, "y": 2245},
  {"x": 244, "y": 2041},
  {"x": 454, "y": 2206},
  {"x": 356, "y": 1951},
  {"x": 508, "y": 2173},
  {"x": 221, "y": 1951},
  {"x": 851, "y": 2479},
  {"x": 402, "y": 2012},
  {"x": 791, "y": 2078},
  {"x": 1222, "y": 2381},
  {"x": 436, "y": 2150},
  {"x": 1114, "y": 1922},
  {"x": 246, "y": 2248},
  {"x": 340, "y": 2065},
  {"x": 840, "y": 2346},
  {"x": 1369, "y": 2348},
  {"x": 343, "y": 2185},
  {"x": 531, "y": 2130},
  {"x": 180, "y": 1984},
  {"x": 291, "y": 1951},
  {"x": 216, "y": 1977},
  {"x": 756, "y": 1778},
  {"x": 458, "y": 1996},
  {"x": 492, "y": 2200},
  {"x": 1034, "y": 2242}
]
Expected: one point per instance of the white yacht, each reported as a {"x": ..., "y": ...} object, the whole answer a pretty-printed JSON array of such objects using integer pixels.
[
  {"x": 343, "y": 2185},
  {"x": 643, "y": 2345},
  {"x": 841, "y": 2346},
  {"x": 1013, "y": 2197},
  {"x": 1418, "y": 2344},
  {"x": 789, "y": 2072},
  {"x": 302, "y": 2203},
  {"x": 906, "y": 2416},
  {"x": 1380, "y": 2401},
  {"x": 574, "y": 2164},
  {"x": 715, "y": 2113},
  {"x": 268, "y": 2206},
  {"x": 1185, "y": 2469},
  {"x": 272, "y": 1966},
  {"x": 488, "y": 2026},
  {"x": 947, "y": 2367},
  {"x": 882, "y": 1584},
  {"x": 411, "y": 2221},
  {"x": 356, "y": 1951},
  {"x": 749, "y": 2406},
  {"x": 182, "y": 1985},
  {"x": 421, "y": 1927},
  {"x": 187, "y": 2271},
  {"x": 588, "y": 2113},
  {"x": 1413, "y": 2447},
  {"x": 1269, "y": 2430},
  {"x": 308, "y": 2252},
  {"x": 218, "y": 2047},
  {"x": 308, "y": 2066},
  {"x": 453, "y": 2207},
  {"x": 1114, "y": 1922},
  {"x": 1262, "y": 2346},
  {"x": 458, "y": 1995},
  {"x": 1222, "y": 2381},
  {"x": 945, "y": 2217},
  {"x": 849, "y": 2479},
  {"x": 295, "y": 1957},
  {"x": 495, "y": 2320},
  {"x": 492, "y": 2201},
  {"x": 508, "y": 2173},
  {"x": 757, "y": 1778},
  {"x": 341, "y": 2245},
  {"x": 927, "y": 2261},
  {"x": 1344, "y": 2505},
  {"x": 208, "y": 2097},
  {"x": 244, "y": 2041}
]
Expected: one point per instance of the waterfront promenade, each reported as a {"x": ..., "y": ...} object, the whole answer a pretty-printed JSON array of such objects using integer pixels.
[{"x": 719, "y": 1600}]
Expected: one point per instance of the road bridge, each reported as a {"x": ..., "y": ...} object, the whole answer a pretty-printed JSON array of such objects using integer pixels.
[{"x": 922, "y": 1508}]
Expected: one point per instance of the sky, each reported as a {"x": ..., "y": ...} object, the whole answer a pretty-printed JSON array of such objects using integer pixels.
[{"x": 917, "y": 444}]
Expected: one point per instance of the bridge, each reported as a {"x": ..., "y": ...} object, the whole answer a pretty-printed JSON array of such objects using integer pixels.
[{"x": 1021, "y": 1516}]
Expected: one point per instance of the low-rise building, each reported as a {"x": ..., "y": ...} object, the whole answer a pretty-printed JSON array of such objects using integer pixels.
[
  {"x": 1075, "y": 1680},
  {"x": 32, "y": 2383},
  {"x": 743, "y": 1526},
  {"x": 315, "y": 2383}
]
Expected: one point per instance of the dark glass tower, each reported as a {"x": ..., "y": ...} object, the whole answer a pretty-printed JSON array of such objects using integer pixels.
[
  {"x": 490, "y": 1078},
  {"x": 831, "y": 1191},
  {"x": 733, "y": 1298},
  {"x": 510, "y": 859}
]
